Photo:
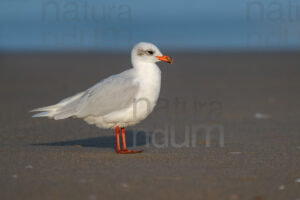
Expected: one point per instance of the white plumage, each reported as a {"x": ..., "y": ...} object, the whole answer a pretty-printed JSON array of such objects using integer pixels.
[{"x": 119, "y": 100}]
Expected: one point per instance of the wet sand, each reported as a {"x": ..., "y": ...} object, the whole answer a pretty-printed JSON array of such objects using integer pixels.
[{"x": 226, "y": 127}]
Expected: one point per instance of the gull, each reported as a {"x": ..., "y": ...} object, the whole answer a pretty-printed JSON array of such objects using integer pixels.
[{"x": 118, "y": 101}]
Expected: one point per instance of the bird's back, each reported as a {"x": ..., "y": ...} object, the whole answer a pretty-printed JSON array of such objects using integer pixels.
[{"x": 99, "y": 100}]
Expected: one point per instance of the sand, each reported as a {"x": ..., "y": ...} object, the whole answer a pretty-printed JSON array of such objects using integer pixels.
[{"x": 226, "y": 127}]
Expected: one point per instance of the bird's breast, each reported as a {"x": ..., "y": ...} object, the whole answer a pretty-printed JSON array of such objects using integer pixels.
[{"x": 149, "y": 90}]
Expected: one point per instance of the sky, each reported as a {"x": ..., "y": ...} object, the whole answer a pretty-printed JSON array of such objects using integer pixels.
[{"x": 116, "y": 25}]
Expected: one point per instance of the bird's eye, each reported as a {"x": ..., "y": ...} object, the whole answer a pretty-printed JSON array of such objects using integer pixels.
[{"x": 150, "y": 52}]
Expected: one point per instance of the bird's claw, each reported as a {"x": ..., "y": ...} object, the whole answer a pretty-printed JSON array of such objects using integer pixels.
[{"x": 129, "y": 151}]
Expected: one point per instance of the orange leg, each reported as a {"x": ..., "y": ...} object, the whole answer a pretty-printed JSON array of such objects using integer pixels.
[
  {"x": 124, "y": 151},
  {"x": 124, "y": 139},
  {"x": 118, "y": 138}
]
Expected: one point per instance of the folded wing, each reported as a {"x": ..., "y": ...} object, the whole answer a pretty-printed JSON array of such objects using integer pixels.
[{"x": 112, "y": 94}]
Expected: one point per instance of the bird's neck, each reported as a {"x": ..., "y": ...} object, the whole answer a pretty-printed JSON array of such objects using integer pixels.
[
  {"x": 145, "y": 67},
  {"x": 148, "y": 73}
]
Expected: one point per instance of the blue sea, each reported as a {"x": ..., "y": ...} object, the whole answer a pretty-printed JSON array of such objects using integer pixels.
[{"x": 116, "y": 25}]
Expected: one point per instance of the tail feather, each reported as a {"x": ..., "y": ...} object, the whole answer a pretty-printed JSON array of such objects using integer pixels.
[
  {"x": 41, "y": 114},
  {"x": 54, "y": 110},
  {"x": 47, "y": 108}
]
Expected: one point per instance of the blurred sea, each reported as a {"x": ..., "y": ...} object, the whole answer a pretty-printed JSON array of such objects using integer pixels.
[{"x": 116, "y": 25}]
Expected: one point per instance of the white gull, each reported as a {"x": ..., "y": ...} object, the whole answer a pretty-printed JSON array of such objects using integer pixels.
[{"x": 120, "y": 100}]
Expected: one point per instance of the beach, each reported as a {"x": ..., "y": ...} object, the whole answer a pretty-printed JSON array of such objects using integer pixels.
[{"x": 226, "y": 127}]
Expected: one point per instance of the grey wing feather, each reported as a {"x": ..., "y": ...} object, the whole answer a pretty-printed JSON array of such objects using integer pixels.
[{"x": 112, "y": 94}]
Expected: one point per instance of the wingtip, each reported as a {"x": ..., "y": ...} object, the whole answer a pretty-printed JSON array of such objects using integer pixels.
[{"x": 41, "y": 114}]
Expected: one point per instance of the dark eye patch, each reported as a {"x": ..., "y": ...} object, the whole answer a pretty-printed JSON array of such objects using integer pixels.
[
  {"x": 150, "y": 52},
  {"x": 141, "y": 52}
]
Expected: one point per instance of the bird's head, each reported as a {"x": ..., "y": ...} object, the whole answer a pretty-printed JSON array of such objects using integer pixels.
[{"x": 148, "y": 53}]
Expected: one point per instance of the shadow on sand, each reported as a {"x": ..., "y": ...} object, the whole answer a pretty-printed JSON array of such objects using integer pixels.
[{"x": 132, "y": 140}]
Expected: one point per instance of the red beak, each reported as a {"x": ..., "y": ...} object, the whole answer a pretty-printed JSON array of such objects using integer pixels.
[{"x": 165, "y": 58}]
